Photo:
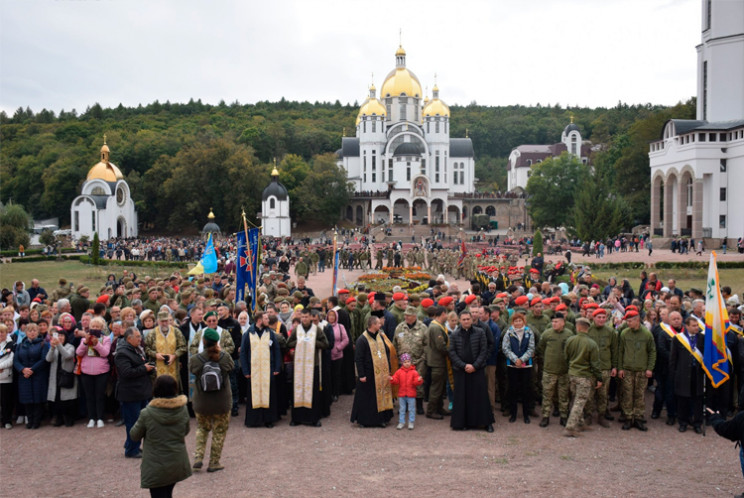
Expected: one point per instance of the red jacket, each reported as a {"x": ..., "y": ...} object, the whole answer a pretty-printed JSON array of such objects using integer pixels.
[{"x": 407, "y": 379}]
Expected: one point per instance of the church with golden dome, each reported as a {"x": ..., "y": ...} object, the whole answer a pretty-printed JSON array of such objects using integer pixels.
[
  {"x": 105, "y": 203},
  {"x": 403, "y": 164}
]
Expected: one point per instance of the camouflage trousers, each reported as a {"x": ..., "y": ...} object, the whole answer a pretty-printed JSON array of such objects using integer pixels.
[
  {"x": 581, "y": 388},
  {"x": 552, "y": 384},
  {"x": 598, "y": 400},
  {"x": 633, "y": 387},
  {"x": 218, "y": 425}
]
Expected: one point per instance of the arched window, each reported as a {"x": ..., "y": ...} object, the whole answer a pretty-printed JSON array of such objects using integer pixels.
[
  {"x": 272, "y": 203},
  {"x": 573, "y": 145}
]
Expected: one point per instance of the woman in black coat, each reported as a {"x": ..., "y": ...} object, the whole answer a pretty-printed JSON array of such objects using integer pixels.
[
  {"x": 33, "y": 374},
  {"x": 688, "y": 375}
]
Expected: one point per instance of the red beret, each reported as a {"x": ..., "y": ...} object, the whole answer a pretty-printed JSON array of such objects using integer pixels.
[
  {"x": 446, "y": 300},
  {"x": 103, "y": 299},
  {"x": 546, "y": 301},
  {"x": 555, "y": 299},
  {"x": 398, "y": 296},
  {"x": 426, "y": 303},
  {"x": 534, "y": 270},
  {"x": 343, "y": 291},
  {"x": 631, "y": 307},
  {"x": 630, "y": 314},
  {"x": 37, "y": 299},
  {"x": 599, "y": 311},
  {"x": 502, "y": 294},
  {"x": 560, "y": 307},
  {"x": 591, "y": 306},
  {"x": 470, "y": 298},
  {"x": 595, "y": 286},
  {"x": 536, "y": 300},
  {"x": 521, "y": 300},
  {"x": 371, "y": 297},
  {"x": 350, "y": 300}
]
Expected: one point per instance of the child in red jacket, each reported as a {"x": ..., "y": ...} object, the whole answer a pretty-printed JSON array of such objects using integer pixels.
[{"x": 407, "y": 378}]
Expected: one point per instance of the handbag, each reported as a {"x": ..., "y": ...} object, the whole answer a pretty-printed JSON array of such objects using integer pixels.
[{"x": 65, "y": 379}]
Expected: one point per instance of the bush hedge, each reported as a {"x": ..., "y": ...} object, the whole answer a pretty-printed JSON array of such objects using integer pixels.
[
  {"x": 36, "y": 259},
  {"x": 118, "y": 262},
  {"x": 12, "y": 253}
]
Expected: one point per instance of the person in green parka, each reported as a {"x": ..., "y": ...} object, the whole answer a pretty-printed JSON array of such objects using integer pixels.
[{"x": 164, "y": 424}]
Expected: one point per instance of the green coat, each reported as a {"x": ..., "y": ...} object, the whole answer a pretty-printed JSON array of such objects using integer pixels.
[
  {"x": 163, "y": 424},
  {"x": 550, "y": 350},
  {"x": 582, "y": 354},
  {"x": 636, "y": 350},
  {"x": 606, "y": 339}
]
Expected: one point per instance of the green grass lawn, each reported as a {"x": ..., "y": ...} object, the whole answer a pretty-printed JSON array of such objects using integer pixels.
[
  {"x": 685, "y": 278},
  {"x": 49, "y": 273}
]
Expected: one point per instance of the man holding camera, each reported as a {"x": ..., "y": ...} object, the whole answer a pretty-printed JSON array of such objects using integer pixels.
[{"x": 165, "y": 345}]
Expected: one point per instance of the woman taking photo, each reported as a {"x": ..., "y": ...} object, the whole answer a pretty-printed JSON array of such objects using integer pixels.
[
  {"x": 163, "y": 424},
  {"x": 33, "y": 374},
  {"x": 94, "y": 364},
  {"x": 63, "y": 385}
]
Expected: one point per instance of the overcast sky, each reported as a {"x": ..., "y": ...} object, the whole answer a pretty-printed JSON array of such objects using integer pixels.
[{"x": 66, "y": 54}]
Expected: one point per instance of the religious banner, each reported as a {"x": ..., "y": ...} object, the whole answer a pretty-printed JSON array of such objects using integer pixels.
[{"x": 247, "y": 265}]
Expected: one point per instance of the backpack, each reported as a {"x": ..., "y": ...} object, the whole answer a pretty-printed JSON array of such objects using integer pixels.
[{"x": 211, "y": 376}]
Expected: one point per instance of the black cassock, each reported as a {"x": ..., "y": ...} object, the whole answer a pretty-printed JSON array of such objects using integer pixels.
[
  {"x": 471, "y": 407},
  {"x": 364, "y": 410},
  {"x": 256, "y": 417}
]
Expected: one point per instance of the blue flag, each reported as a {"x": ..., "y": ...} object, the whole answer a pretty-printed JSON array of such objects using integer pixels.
[
  {"x": 208, "y": 262},
  {"x": 247, "y": 266}
]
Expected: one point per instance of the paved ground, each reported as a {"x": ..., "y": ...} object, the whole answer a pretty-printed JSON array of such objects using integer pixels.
[{"x": 339, "y": 459}]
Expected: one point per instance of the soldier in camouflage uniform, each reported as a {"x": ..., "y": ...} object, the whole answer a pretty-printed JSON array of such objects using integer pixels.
[
  {"x": 555, "y": 368},
  {"x": 390, "y": 255},
  {"x": 378, "y": 259},
  {"x": 606, "y": 338},
  {"x": 636, "y": 361},
  {"x": 582, "y": 354},
  {"x": 314, "y": 258},
  {"x": 411, "y": 337}
]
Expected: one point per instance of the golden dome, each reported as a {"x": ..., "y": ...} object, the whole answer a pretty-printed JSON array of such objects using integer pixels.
[
  {"x": 371, "y": 107},
  {"x": 399, "y": 81},
  {"x": 105, "y": 170},
  {"x": 400, "y": 51},
  {"x": 436, "y": 107},
  {"x": 274, "y": 172},
  {"x": 108, "y": 172},
  {"x": 211, "y": 214}
]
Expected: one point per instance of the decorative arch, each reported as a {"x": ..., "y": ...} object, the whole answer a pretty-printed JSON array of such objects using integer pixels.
[
  {"x": 491, "y": 210},
  {"x": 476, "y": 210}
]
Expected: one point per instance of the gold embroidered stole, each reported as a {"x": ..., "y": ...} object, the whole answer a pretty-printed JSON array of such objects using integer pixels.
[
  {"x": 165, "y": 345},
  {"x": 666, "y": 328},
  {"x": 304, "y": 364},
  {"x": 260, "y": 369},
  {"x": 393, "y": 358},
  {"x": 383, "y": 391}
]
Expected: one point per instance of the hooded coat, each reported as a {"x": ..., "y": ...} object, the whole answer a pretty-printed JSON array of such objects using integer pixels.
[{"x": 163, "y": 424}]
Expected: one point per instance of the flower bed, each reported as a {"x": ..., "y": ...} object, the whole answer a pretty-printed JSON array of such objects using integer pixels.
[{"x": 410, "y": 279}]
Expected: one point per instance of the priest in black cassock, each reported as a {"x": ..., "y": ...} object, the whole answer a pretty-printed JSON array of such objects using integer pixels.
[
  {"x": 308, "y": 341},
  {"x": 373, "y": 398},
  {"x": 468, "y": 350},
  {"x": 261, "y": 361}
]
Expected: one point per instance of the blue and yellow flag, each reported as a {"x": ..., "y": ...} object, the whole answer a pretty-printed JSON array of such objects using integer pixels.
[
  {"x": 715, "y": 355},
  {"x": 208, "y": 262}
]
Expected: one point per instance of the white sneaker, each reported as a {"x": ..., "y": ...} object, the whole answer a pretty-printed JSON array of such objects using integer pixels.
[
  {"x": 410, "y": 426},
  {"x": 100, "y": 423},
  {"x": 91, "y": 424},
  {"x": 8, "y": 426},
  {"x": 400, "y": 426},
  {"x": 20, "y": 420},
  {"x": 25, "y": 420}
]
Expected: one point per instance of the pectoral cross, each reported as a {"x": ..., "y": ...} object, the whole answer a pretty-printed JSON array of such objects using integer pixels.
[{"x": 379, "y": 354}]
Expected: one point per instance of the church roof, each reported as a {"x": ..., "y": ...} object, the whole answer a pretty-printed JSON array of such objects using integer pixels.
[
  {"x": 408, "y": 149},
  {"x": 211, "y": 227},
  {"x": 571, "y": 127},
  {"x": 461, "y": 147},
  {"x": 350, "y": 147},
  {"x": 100, "y": 200},
  {"x": 682, "y": 126},
  {"x": 276, "y": 189}
]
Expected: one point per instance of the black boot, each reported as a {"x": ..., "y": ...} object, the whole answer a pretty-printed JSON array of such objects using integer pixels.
[{"x": 419, "y": 406}]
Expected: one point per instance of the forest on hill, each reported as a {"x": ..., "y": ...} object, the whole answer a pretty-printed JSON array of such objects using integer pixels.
[{"x": 180, "y": 159}]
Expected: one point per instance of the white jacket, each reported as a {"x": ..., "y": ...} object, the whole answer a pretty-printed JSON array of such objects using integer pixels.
[{"x": 6, "y": 362}]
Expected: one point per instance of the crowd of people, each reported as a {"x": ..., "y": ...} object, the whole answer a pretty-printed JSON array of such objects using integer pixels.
[{"x": 558, "y": 352}]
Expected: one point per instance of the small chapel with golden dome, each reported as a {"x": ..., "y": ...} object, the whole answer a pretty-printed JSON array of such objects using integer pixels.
[
  {"x": 105, "y": 203},
  {"x": 403, "y": 164}
]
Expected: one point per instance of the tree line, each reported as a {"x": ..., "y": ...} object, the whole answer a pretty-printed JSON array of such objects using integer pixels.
[{"x": 180, "y": 159}]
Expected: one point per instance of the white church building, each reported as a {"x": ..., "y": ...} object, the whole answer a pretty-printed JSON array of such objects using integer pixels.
[
  {"x": 697, "y": 166},
  {"x": 275, "y": 218},
  {"x": 403, "y": 164},
  {"x": 105, "y": 203},
  {"x": 523, "y": 157}
]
